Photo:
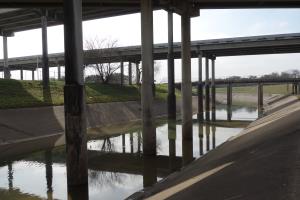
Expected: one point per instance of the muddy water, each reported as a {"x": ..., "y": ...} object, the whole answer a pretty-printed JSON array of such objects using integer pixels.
[{"x": 116, "y": 164}]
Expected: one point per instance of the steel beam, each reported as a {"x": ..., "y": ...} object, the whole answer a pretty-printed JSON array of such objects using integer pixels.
[
  {"x": 75, "y": 119},
  {"x": 149, "y": 132},
  {"x": 171, "y": 73}
]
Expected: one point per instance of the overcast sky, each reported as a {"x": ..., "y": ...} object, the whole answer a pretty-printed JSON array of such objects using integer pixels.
[{"x": 211, "y": 24}]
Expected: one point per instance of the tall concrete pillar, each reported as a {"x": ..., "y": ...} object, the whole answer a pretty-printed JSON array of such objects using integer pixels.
[
  {"x": 49, "y": 173},
  {"x": 260, "y": 98},
  {"x": 213, "y": 129},
  {"x": 122, "y": 73},
  {"x": 149, "y": 132},
  {"x": 74, "y": 94},
  {"x": 171, "y": 72},
  {"x": 131, "y": 142},
  {"x": 21, "y": 74},
  {"x": 200, "y": 88},
  {"x": 10, "y": 176},
  {"x": 207, "y": 132},
  {"x": 186, "y": 83},
  {"x": 213, "y": 90},
  {"x": 45, "y": 50},
  {"x": 59, "y": 72},
  {"x": 5, "y": 59},
  {"x": 129, "y": 73},
  {"x": 32, "y": 74},
  {"x": 229, "y": 101},
  {"x": 207, "y": 99},
  {"x": 137, "y": 73}
]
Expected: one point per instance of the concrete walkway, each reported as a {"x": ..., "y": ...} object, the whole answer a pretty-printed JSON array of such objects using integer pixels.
[{"x": 262, "y": 162}]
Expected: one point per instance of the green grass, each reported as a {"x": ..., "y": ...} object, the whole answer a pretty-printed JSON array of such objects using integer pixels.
[
  {"x": 16, "y": 94},
  {"x": 268, "y": 89}
]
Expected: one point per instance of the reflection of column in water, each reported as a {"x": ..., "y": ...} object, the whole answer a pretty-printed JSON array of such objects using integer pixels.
[
  {"x": 213, "y": 128},
  {"x": 78, "y": 193},
  {"x": 172, "y": 144},
  {"x": 10, "y": 176},
  {"x": 149, "y": 170},
  {"x": 187, "y": 151},
  {"x": 207, "y": 130},
  {"x": 201, "y": 139},
  {"x": 131, "y": 142},
  {"x": 139, "y": 141},
  {"x": 49, "y": 173},
  {"x": 229, "y": 113},
  {"x": 123, "y": 143}
]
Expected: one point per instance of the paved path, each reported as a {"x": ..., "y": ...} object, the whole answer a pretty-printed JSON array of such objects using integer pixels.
[{"x": 263, "y": 162}]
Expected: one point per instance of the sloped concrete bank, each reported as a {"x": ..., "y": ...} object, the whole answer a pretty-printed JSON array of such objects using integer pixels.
[{"x": 262, "y": 162}]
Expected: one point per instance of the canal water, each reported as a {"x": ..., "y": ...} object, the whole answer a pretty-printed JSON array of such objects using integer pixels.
[{"x": 117, "y": 167}]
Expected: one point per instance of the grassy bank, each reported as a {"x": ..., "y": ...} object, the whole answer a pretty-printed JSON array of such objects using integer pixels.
[{"x": 15, "y": 94}]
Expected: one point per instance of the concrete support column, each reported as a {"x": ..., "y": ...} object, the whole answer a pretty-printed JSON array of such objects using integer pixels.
[
  {"x": 122, "y": 73},
  {"x": 74, "y": 94},
  {"x": 171, "y": 72},
  {"x": 260, "y": 98},
  {"x": 186, "y": 83},
  {"x": 123, "y": 143},
  {"x": 10, "y": 176},
  {"x": 200, "y": 88},
  {"x": 45, "y": 50},
  {"x": 32, "y": 74},
  {"x": 21, "y": 74},
  {"x": 213, "y": 90},
  {"x": 5, "y": 59},
  {"x": 49, "y": 173},
  {"x": 229, "y": 101},
  {"x": 172, "y": 144},
  {"x": 149, "y": 131},
  {"x": 129, "y": 73},
  {"x": 137, "y": 73},
  {"x": 200, "y": 139},
  {"x": 207, "y": 99},
  {"x": 59, "y": 72}
]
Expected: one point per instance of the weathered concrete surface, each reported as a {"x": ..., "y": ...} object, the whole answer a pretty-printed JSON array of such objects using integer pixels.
[{"x": 262, "y": 162}]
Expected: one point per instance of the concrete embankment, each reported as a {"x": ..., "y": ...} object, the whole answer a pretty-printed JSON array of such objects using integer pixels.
[{"x": 262, "y": 162}]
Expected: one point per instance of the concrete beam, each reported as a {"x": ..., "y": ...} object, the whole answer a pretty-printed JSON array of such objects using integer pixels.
[
  {"x": 75, "y": 118},
  {"x": 171, "y": 72},
  {"x": 45, "y": 50},
  {"x": 149, "y": 131}
]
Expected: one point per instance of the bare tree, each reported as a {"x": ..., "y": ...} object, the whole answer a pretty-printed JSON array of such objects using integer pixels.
[{"x": 101, "y": 48}]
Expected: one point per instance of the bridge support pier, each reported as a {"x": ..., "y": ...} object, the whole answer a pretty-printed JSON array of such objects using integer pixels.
[
  {"x": 74, "y": 94},
  {"x": 260, "y": 96},
  {"x": 21, "y": 74},
  {"x": 172, "y": 144},
  {"x": 149, "y": 131},
  {"x": 6, "y": 70},
  {"x": 229, "y": 102},
  {"x": 207, "y": 87},
  {"x": 122, "y": 73},
  {"x": 213, "y": 90},
  {"x": 58, "y": 72},
  {"x": 200, "y": 128},
  {"x": 32, "y": 74},
  {"x": 129, "y": 73},
  {"x": 186, "y": 87},
  {"x": 137, "y": 74},
  {"x": 45, "y": 50},
  {"x": 186, "y": 84},
  {"x": 200, "y": 88},
  {"x": 171, "y": 73}
]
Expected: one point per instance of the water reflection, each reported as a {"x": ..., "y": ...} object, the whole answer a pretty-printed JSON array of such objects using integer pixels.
[{"x": 117, "y": 166}]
